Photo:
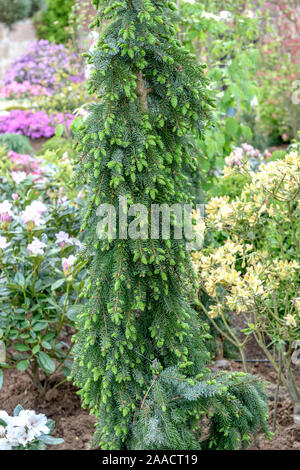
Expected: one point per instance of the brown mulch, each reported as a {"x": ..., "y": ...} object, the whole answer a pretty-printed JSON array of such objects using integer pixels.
[{"x": 76, "y": 426}]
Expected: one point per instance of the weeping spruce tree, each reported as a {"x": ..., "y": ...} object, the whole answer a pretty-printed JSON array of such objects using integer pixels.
[{"x": 140, "y": 355}]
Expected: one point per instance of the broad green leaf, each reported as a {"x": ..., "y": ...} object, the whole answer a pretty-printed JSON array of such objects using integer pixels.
[
  {"x": 231, "y": 126},
  {"x": 22, "y": 365},
  {"x": 57, "y": 284},
  {"x": 39, "y": 326},
  {"x": 59, "y": 130},
  {"x": 21, "y": 347},
  {"x": 73, "y": 312},
  {"x": 46, "y": 363}
]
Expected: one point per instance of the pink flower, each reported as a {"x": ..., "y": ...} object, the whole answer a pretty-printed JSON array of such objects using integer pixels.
[
  {"x": 247, "y": 148},
  {"x": 285, "y": 137},
  {"x": 67, "y": 264},
  {"x": 15, "y": 196}
]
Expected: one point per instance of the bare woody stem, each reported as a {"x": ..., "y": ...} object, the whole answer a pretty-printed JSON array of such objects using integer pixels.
[{"x": 142, "y": 92}]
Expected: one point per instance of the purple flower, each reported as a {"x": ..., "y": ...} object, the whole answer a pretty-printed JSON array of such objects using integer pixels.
[
  {"x": 43, "y": 63},
  {"x": 32, "y": 124}
]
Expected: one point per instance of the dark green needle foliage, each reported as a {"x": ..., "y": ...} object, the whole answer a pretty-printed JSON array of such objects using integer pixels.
[{"x": 140, "y": 355}]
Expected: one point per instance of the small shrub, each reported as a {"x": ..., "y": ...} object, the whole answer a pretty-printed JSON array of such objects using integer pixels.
[
  {"x": 17, "y": 10},
  {"x": 52, "y": 24},
  {"x": 17, "y": 143}
]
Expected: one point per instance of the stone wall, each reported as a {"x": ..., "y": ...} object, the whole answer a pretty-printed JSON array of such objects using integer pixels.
[{"x": 13, "y": 43}]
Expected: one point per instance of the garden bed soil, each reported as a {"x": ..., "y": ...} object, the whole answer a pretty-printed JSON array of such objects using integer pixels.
[{"x": 76, "y": 426}]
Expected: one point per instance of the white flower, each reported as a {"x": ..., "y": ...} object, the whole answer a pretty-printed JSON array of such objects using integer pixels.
[
  {"x": 17, "y": 435},
  {"x": 208, "y": 16},
  {"x": 39, "y": 207},
  {"x": 67, "y": 264},
  {"x": 77, "y": 243},
  {"x": 18, "y": 176},
  {"x": 254, "y": 102},
  {"x": 35, "y": 423},
  {"x": 33, "y": 213},
  {"x": 5, "y": 207},
  {"x": 225, "y": 15},
  {"x": 30, "y": 215},
  {"x": 3, "y": 245},
  {"x": 36, "y": 247},
  {"x": 4, "y": 444},
  {"x": 22, "y": 429},
  {"x": 290, "y": 320},
  {"x": 62, "y": 238},
  {"x": 4, "y": 416}
]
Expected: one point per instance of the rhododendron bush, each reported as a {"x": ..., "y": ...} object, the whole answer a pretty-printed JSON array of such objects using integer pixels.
[
  {"x": 40, "y": 280},
  {"x": 33, "y": 124},
  {"x": 41, "y": 90},
  {"x": 45, "y": 64},
  {"x": 254, "y": 273}
]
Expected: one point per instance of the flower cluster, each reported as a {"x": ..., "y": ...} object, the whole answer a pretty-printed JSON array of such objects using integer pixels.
[
  {"x": 275, "y": 182},
  {"x": 255, "y": 271},
  {"x": 26, "y": 163},
  {"x": 32, "y": 215},
  {"x": 15, "y": 90},
  {"x": 25, "y": 430},
  {"x": 33, "y": 124},
  {"x": 36, "y": 247},
  {"x": 237, "y": 278},
  {"x": 45, "y": 64},
  {"x": 242, "y": 154}
]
